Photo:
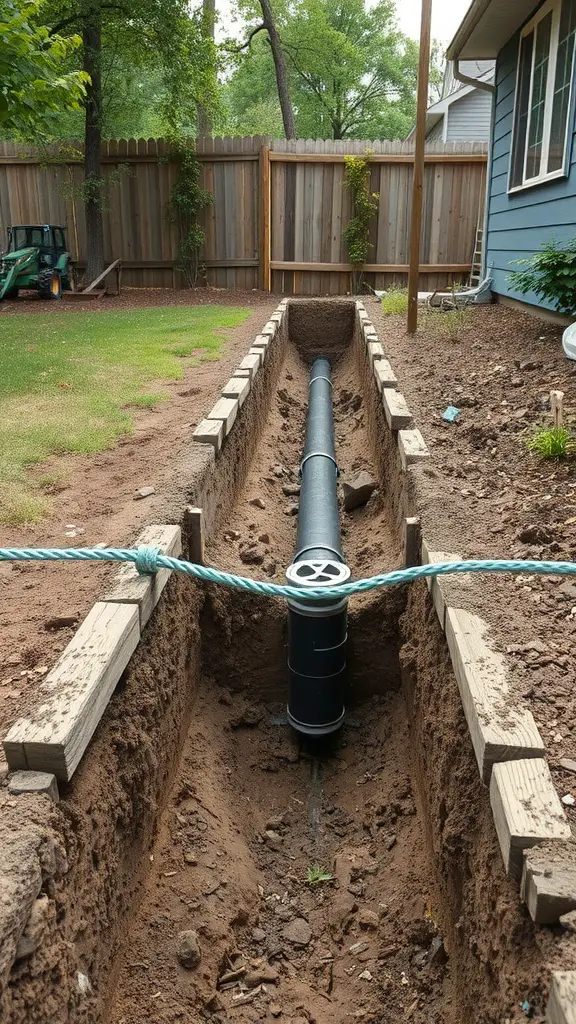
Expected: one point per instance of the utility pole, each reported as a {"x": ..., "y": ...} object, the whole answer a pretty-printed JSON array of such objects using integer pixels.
[{"x": 418, "y": 181}]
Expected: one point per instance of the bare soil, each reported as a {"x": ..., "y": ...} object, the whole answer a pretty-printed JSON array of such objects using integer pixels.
[
  {"x": 42, "y": 604},
  {"x": 486, "y": 496}
]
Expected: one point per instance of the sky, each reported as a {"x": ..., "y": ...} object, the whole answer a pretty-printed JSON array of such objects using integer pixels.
[{"x": 446, "y": 16}]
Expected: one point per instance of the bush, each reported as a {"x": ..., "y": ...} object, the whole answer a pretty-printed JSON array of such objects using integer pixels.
[
  {"x": 395, "y": 302},
  {"x": 551, "y": 274}
]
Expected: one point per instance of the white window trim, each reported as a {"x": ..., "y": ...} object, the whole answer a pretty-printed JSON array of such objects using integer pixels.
[{"x": 556, "y": 7}]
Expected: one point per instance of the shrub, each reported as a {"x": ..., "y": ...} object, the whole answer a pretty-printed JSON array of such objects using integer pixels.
[
  {"x": 551, "y": 274},
  {"x": 395, "y": 302}
]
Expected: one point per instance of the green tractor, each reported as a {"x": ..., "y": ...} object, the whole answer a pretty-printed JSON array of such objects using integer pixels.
[{"x": 37, "y": 257}]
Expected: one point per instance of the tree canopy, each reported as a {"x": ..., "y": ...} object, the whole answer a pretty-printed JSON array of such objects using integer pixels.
[
  {"x": 36, "y": 82},
  {"x": 352, "y": 73}
]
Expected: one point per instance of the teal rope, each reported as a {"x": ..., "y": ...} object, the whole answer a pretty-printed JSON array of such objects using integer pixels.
[{"x": 149, "y": 560}]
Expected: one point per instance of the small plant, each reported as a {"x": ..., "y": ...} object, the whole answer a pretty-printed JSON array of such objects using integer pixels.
[
  {"x": 448, "y": 322},
  {"x": 356, "y": 234},
  {"x": 187, "y": 200},
  {"x": 316, "y": 875},
  {"x": 395, "y": 302},
  {"x": 552, "y": 443},
  {"x": 551, "y": 274}
]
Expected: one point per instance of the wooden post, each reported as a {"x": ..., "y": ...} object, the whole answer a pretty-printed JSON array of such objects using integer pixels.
[
  {"x": 412, "y": 541},
  {"x": 196, "y": 534},
  {"x": 418, "y": 182},
  {"x": 557, "y": 408},
  {"x": 265, "y": 277}
]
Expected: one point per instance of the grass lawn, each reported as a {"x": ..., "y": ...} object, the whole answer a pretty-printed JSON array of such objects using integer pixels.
[{"x": 68, "y": 383}]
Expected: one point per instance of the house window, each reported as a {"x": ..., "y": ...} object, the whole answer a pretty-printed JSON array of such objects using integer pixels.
[{"x": 543, "y": 94}]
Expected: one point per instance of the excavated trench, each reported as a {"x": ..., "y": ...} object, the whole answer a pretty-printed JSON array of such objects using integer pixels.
[{"x": 357, "y": 877}]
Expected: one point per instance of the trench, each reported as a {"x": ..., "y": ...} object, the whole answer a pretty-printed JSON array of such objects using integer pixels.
[
  {"x": 356, "y": 877},
  {"x": 301, "y": 864}
]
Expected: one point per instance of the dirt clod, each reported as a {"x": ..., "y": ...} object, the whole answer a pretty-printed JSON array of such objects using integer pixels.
[
  {"x": 368, "y": 919},
  {"x": 298, "y": 932},
  {"x": 358, "y": 490},
  {"x": 188, "y": 949}
]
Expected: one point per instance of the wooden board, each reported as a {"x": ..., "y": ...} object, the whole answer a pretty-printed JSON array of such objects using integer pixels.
[
  {"x": 76, "y": 692},
  {"x": 374, "y": 350},
  {"x": 411, "y": 445},
  {"x": 562, "y": 1002},
  {"x": 526, "y": 809},
  {"x": 549, "y": 882},
  {"x": 131, "y": 587},
  {"x": 396, "y": 409},
  {"x": 238, "y": 388},
  {"x": 500, "y": 729},
  {"x": 437, "y": 584},
  {"x": 384, "y": 375},
  {"x": 226, "y": 411},
  {"x": 251, "y": 363},
  {"x": 370, "y": 268},
  {"x": 209, "y": 432}
]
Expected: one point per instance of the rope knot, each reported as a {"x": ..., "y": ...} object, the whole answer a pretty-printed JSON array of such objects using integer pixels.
[{"x": 146, "y": 560}]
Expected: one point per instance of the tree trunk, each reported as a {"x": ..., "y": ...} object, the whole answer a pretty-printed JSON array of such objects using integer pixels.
[
  {"x": 208, "y": 29},
  {"x": 92, "y": 45},
  {"x": 280, "y": 67}
]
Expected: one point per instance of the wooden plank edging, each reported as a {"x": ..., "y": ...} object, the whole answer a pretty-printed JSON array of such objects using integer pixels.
[{"x": 506, "y": 741}]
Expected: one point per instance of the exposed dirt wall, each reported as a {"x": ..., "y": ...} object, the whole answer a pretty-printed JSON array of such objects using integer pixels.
[{"x": 100, "y": 834}]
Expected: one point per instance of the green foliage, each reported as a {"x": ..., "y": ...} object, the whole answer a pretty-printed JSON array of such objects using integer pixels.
[
  {"x": 69, "y": 380},
  {"x": 35, "y": 84},
  {"x": 352, "y": 73},
  {"x": 447, "y": 323},
  {"x": 187, "y": 200},
  {"x": 552, "y": 443},
  {"x": 364, "y": 205},
  {"x": 395, "y": 302},
  {"x": 316, "y": 875},
  {"x": 551, "y": 274}
]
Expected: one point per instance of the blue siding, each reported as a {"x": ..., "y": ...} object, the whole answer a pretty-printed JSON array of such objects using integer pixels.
[{"x": 519, "y": 223}]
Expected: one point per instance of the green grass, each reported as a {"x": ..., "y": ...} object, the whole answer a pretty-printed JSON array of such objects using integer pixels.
[
  {"x": 395, "y": 302},
  {"x": 552, "y": 443},
  {"x": 69, "y": 381}
]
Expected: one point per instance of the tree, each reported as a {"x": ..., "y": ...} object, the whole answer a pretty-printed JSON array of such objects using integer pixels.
[
  {"x": 208, "y": 31},
  {"x": 263, "y": 12},
  {"x": 35, "y": 84},
  {"x": 158, "y": 35},
  {"x": 352, "y": 73}
]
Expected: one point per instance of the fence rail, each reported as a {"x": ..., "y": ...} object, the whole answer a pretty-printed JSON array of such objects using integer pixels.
[{"x": 279, "y": 209}]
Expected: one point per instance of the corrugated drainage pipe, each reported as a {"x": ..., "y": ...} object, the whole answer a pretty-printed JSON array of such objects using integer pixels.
[{"x": 318, "y": 630}]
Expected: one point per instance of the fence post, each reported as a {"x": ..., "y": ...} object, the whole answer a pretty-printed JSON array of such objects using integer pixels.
[{"x": 264, "y": 265}]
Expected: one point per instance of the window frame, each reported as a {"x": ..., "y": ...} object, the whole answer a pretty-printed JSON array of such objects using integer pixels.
[{"x": 554, "y": 6}]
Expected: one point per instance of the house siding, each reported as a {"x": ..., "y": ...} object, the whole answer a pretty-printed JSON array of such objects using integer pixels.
[
  {"x": 469, "y": 117},
  {"x": 518, "y": 224}
]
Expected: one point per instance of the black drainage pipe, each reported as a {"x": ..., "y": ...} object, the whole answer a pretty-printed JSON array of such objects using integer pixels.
[{"x": 318, "y": 630}]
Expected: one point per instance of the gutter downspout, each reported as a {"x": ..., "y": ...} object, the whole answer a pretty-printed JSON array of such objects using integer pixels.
[{"x": 478, "y": 83}]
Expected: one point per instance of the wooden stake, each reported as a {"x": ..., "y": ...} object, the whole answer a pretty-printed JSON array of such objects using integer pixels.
[
  {"x": 196, "y": 534},
  {"x": 412, "y": 541},
  {"x": 557, "y": 407},
  {"x": 418, "y": 182}
]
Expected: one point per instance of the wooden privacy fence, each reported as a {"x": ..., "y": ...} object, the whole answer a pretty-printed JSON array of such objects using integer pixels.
[{"x": 279, "y": 210}]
